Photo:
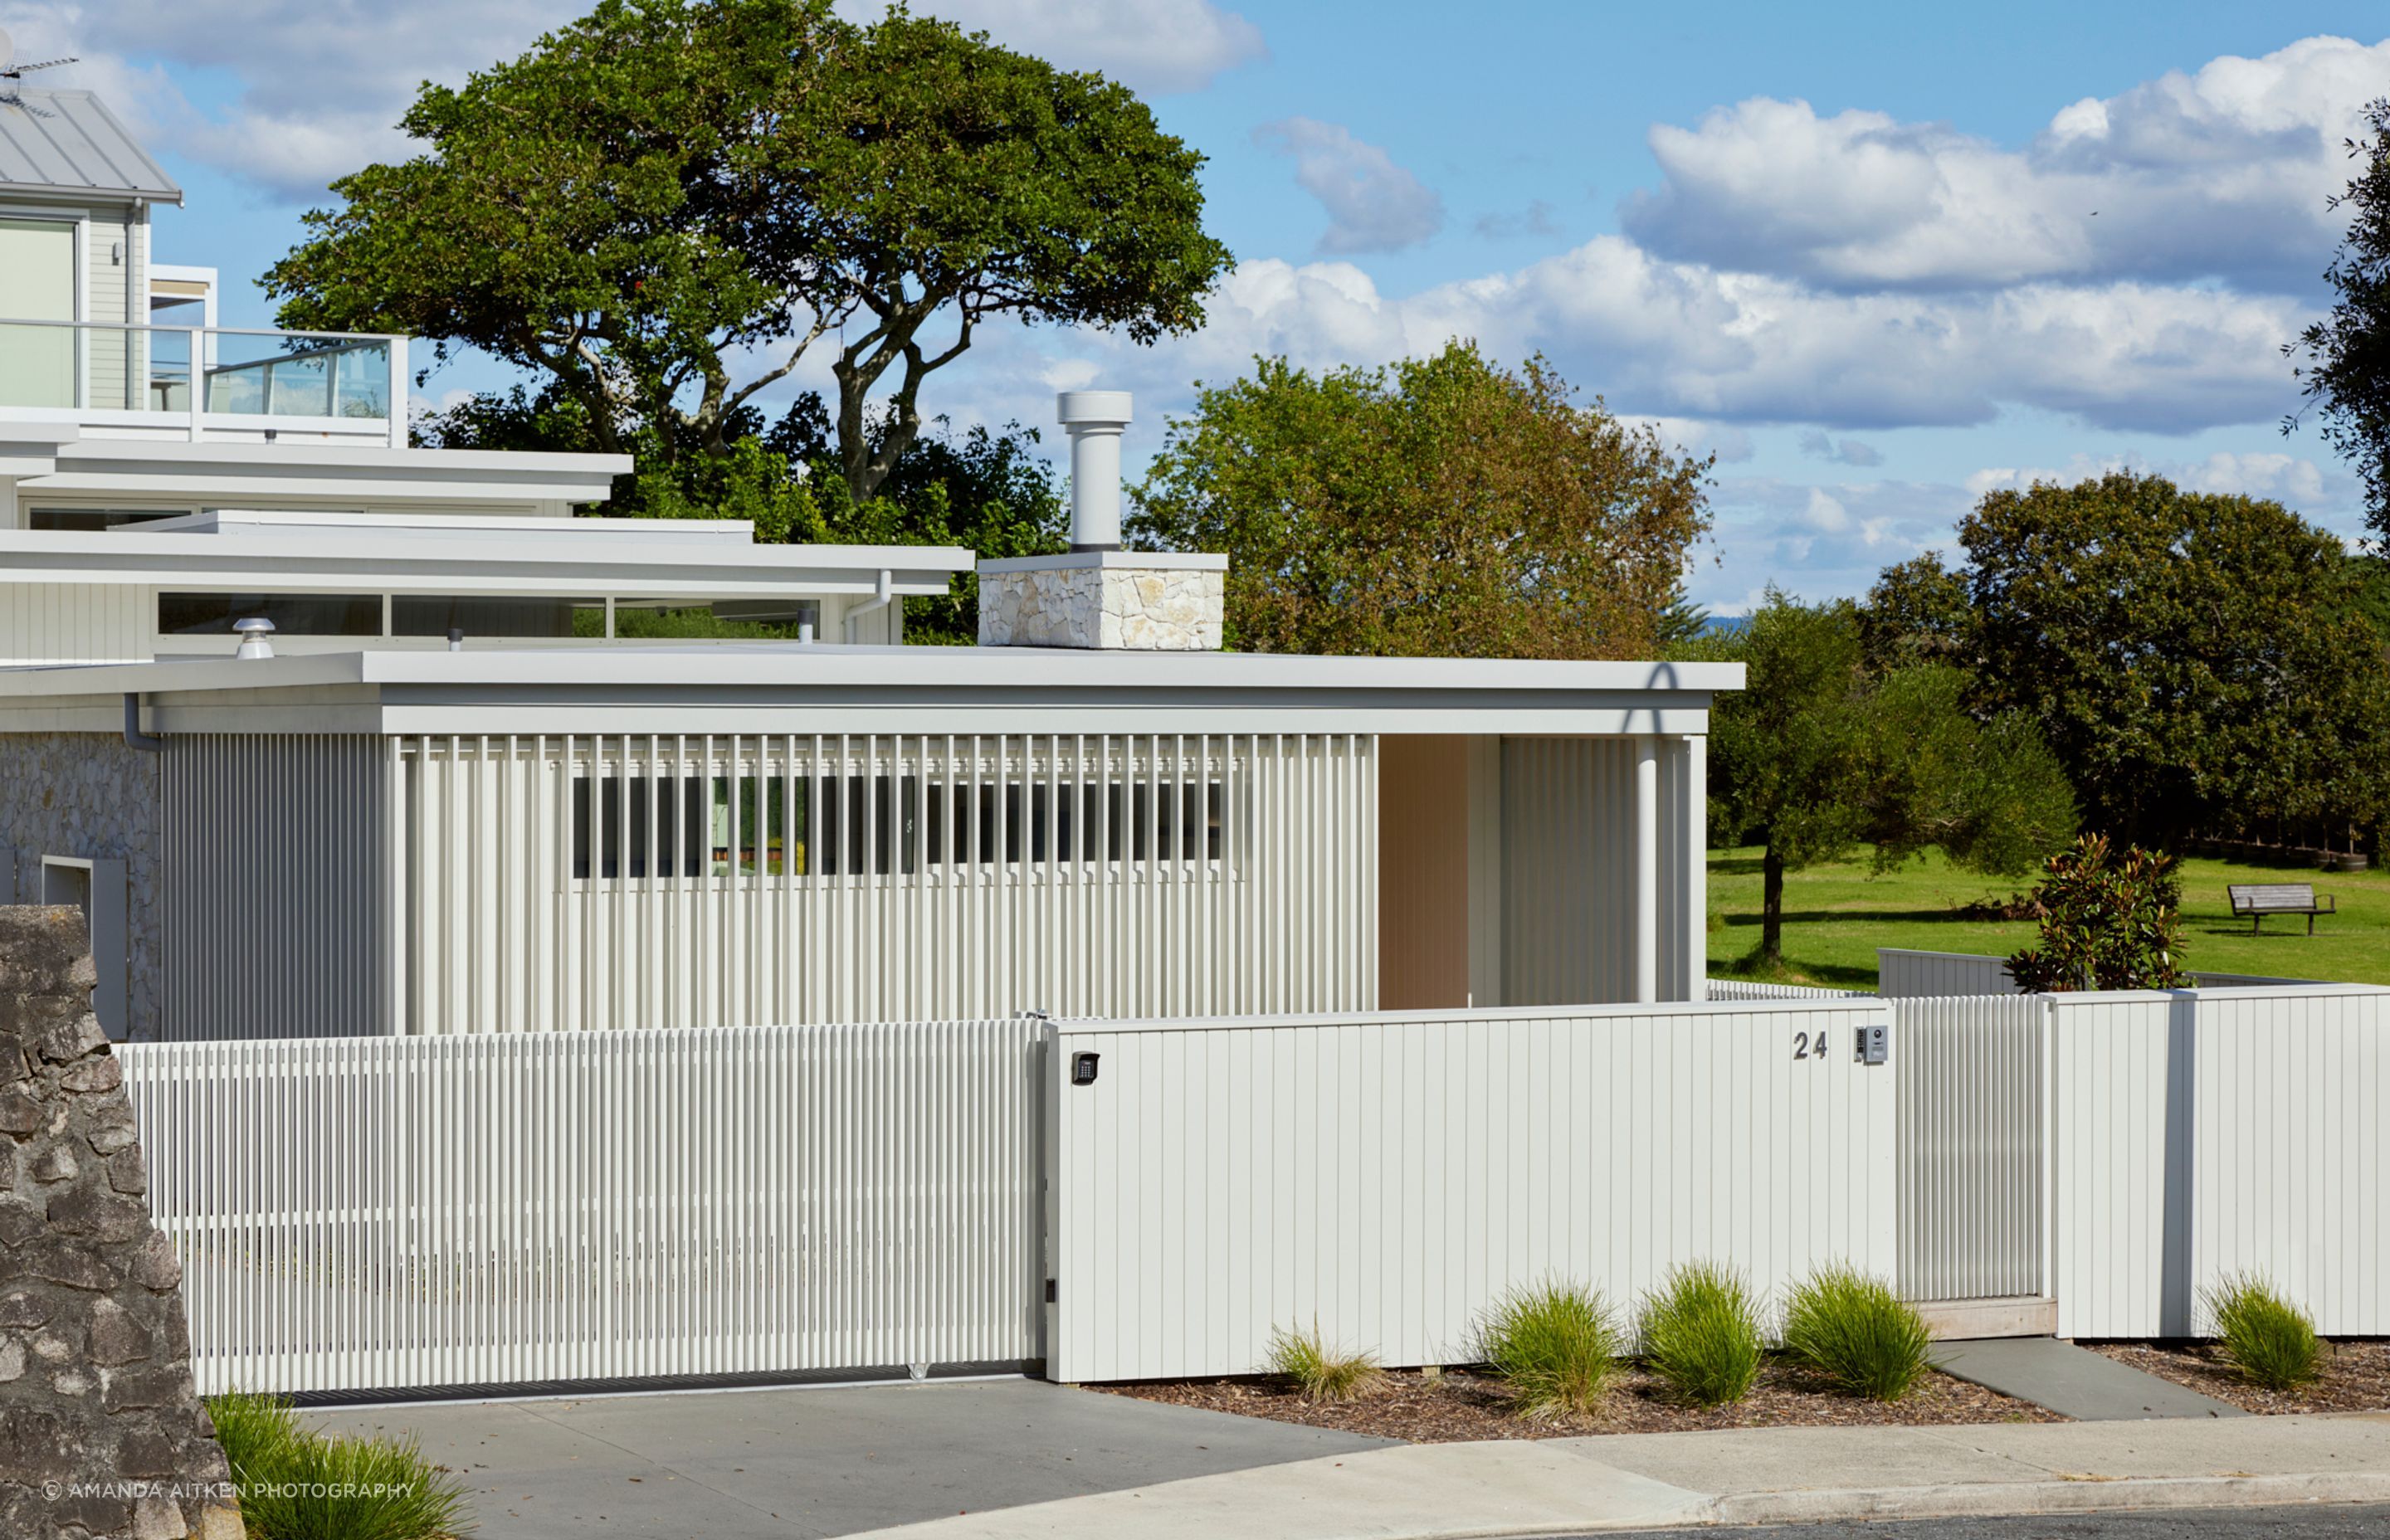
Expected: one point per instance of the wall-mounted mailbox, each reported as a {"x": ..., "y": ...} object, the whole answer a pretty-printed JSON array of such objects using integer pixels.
[
  {"x": 1875, "y": 1043},
  {"x": 1082, "y": 1068}
]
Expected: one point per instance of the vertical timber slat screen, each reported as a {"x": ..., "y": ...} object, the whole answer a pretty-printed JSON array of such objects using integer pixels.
[
  {"x": 1974, "y": 1101},
  {"x": 371, "y": 1213},
  {"x": 1388, "y": 1176},
  {"x": 691, "y": 881}
]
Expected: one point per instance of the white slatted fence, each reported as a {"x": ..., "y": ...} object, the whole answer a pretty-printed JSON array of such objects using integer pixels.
[
  {"x": 358, "y": 1214},
  {"x": 1389, "y": 1175}
]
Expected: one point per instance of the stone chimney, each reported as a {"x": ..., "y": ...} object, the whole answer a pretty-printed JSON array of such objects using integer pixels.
[{"x": 1100, "y": 595}]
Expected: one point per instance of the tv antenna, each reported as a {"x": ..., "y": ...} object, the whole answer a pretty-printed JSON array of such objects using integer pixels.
[{"x": 11, "y": 72}]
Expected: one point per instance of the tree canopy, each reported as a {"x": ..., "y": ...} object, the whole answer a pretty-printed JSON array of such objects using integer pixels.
[
  {"x": 1819, "y": 753},
  {"x": 662, "y": 209},
  {"x": 1439, "y": 506},
  {"x": 2347, "y": 372},
  {"x": 2198, "y": 660}
]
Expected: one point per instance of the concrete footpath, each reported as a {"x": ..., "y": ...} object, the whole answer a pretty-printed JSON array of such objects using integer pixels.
[{"x": 1748, "y": 1476}]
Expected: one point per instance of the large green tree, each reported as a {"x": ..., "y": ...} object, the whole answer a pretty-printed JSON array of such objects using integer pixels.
[
  {"x": 2347, "y": 372},
  {"x": 1440, "y": 506},
  {"x": 2200, "y": 662},
  {"x": 1818, "y": 753},
  {"x": 663, "y": 208}
]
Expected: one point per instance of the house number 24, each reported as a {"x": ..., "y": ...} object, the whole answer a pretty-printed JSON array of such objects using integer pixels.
[{"x": 1806, "y": 1046}]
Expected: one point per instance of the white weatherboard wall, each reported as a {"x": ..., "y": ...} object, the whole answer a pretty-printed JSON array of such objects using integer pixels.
[
  {"x": 1975, "y": 1088},
  {"x": 404, "y": 1213},
  {"x": 508, "y": 920},
  {"x": 1571, "y": 916},
  {"x": 1389, "y": 1175}
]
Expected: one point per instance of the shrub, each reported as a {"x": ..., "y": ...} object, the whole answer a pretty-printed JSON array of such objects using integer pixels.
[
  {"x": 2109, "y": 920},
  {"x": 296, "y": 1485},
  {"x": 1855, "y": 1333},
  {"x": 2269, "y": 1341},
  {"x": 1322, "y": 1373},
  {"x": 1556, "y": 1344},
  {"x": 1701, "y": 1333}
]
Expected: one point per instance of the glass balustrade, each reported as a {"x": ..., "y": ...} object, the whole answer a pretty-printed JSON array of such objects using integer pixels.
[{"x": 69, "y": 366}]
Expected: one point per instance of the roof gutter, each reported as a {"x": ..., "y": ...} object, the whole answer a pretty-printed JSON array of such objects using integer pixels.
[{"x": 149, "y": 743}]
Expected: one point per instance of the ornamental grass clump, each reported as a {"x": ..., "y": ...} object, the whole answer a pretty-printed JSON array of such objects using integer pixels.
[
  {"x": 2270, "y": 1340},
  {"x": 1852, "y": 1331},
  {"x": 1557, "y": 1345},
  {"x": 1700, "y": 1332},
  {"x": 1323, "y": 1374},
  {"x": 297, "y": 1484}
]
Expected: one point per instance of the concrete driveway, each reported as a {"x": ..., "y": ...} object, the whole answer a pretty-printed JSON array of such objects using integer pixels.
[{"x": 817, "y": 1461}]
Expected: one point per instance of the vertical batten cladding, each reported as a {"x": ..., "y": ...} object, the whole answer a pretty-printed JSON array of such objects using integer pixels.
[
  {"x": 1973, "y": 1102},
  {"x": 273, "y": 886},
  {"x": 595, "y": 881},
  {"x": 1388, "y": 1176},
  {"x": 75, "y": 622},
  {"x": 1569, "y": 911}
]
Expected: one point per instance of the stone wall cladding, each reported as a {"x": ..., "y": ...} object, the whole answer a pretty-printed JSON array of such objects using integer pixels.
[
  {"x": 87, "y": 795},
  {"x": 101, "y": 1431},
  {"x": 1130, "y": 609}
]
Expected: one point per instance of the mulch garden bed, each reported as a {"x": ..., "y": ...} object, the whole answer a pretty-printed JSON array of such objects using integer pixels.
[
  {"x": 2355, "y": 1375},
  {"x": 1459, "y": 1406}
]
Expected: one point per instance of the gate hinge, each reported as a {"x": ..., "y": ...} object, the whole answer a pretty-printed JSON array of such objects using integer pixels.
[{"x": 1050, "y": 1290}]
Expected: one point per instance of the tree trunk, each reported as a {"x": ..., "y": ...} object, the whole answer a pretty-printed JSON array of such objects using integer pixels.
[{"x": 1771, "y": 908}]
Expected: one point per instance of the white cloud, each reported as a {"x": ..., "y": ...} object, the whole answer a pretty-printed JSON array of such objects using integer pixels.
[
  {"x": 1156, "y": 47},
  {"x": 1817, "y": 541},
  {"x": 1678, "y": 339},
  {"x": 1535, "y": 220},
  {"x": 1820, "y": 446},
  {"x": 2323, "y": 494},
  {"x": 2223, "y": 172},
  {"x": 318, "y": 85},
  {"x": 1373, "y": 204}
]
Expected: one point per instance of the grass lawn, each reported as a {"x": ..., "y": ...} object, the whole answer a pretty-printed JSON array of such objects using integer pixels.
[{"x": 1836, "y": 916}]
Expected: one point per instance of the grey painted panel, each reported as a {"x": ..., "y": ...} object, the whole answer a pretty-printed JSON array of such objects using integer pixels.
[{"x": 273, "y": 887}]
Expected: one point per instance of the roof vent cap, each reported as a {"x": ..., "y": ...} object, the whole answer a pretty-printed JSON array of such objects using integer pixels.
[{"x": 256, "y": 634}]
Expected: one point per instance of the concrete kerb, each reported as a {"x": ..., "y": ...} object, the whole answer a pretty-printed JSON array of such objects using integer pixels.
[{"x": 1645, "y": 1481}]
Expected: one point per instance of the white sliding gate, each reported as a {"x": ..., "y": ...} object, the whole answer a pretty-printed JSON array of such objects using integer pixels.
[
  {"x": 358, "y": 1214},
  {"x": 1388, "y": 1175}
]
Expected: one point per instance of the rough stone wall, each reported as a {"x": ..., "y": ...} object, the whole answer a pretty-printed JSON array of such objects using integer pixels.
[
  {"x": 101, "y": 1431},
  {"x": 1158, "y": 610},
  {"x": 87, "y": 795}
]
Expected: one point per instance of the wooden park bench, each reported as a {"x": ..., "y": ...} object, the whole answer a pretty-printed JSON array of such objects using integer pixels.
[{"x": 2254, "y": 901}]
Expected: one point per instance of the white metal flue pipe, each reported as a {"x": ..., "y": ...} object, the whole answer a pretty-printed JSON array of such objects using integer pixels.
[{"x": 1095, "y": 420}]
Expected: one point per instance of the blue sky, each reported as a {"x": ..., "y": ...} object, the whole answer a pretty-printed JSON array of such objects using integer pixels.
[{"x": 1878, "y": 258}]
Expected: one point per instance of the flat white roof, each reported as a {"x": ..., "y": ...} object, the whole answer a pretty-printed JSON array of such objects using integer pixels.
[
  {"x": 791, "y": 688},
  {"x": 529, "y": 557},
  {"x": 58, "y": 458}
]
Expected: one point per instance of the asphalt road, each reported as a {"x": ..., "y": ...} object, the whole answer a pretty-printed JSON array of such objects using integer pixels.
[{"x": 2332, "y": 1521}]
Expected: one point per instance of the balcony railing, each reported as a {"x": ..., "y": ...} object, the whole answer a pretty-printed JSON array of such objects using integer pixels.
[{"x": 105, "y": 373}]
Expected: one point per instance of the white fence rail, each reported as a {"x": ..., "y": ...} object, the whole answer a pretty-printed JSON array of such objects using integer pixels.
[
  {"x": 1389, "y": 1175},
  {"x": 1902, "y": 974},
  {"x": 1905, "y": 974},
  {"x": 360, "y": 1214},
  {"x": 1973, "y": 1172},
  {"x": 1747, "y": 989}
]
